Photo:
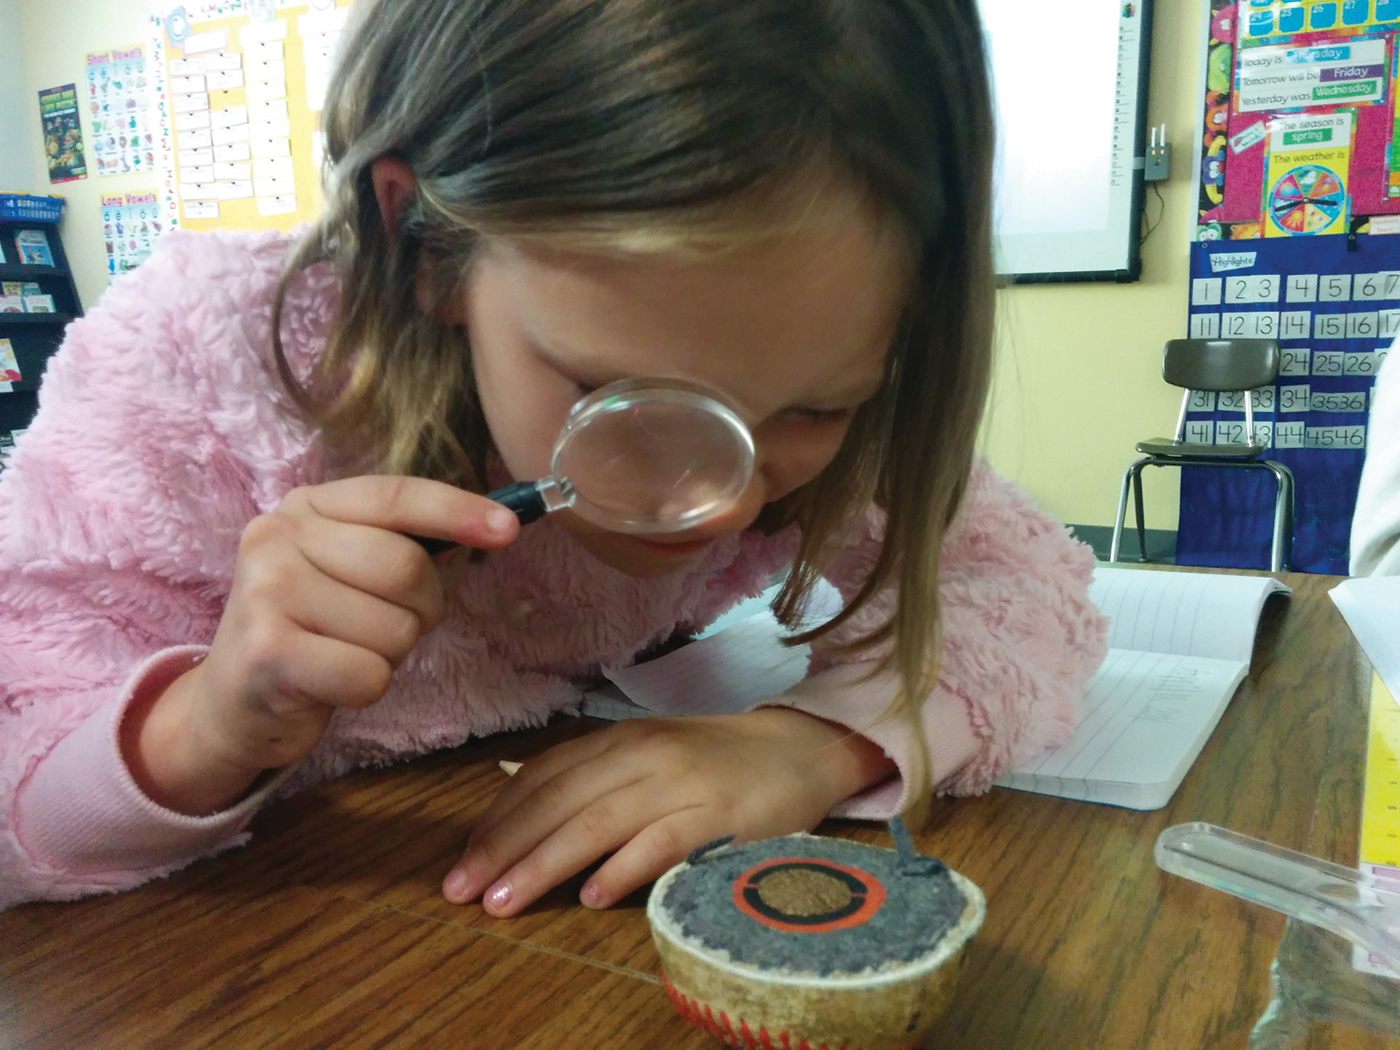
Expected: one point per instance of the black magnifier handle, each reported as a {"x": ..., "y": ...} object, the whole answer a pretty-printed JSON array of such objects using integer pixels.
[{"x": 524, "y": 498}]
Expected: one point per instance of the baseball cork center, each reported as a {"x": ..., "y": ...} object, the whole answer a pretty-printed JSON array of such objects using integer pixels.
[{"x": 803, "y": 892}]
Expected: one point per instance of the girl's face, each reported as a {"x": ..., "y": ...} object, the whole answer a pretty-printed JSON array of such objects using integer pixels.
[{"x": 793, "y": 331}]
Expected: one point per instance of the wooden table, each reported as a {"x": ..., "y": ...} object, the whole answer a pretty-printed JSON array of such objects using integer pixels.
[{"x": 329, "y": 930}]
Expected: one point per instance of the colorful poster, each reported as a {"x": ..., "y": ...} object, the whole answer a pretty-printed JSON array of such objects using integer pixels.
[
  {"x": 63, "y": 134},
  {"x": 131, "y": 225},
  {"x": 1305, "y": 178},
  {"x": 123, "y": 140}
]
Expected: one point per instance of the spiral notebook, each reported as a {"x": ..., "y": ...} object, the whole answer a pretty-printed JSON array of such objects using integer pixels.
[{"x": 1180, "y": 644}]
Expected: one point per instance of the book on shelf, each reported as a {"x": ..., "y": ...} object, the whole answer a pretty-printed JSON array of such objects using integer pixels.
[
  {"x": 1179, "y": 646},
  {"x": 11, "y": 304},
  {"x": 9, "y": 367},
  {"x": 20, "y": 288},
  {"x": 33, "y": 248},
  {"x": 38, "y": 304}
]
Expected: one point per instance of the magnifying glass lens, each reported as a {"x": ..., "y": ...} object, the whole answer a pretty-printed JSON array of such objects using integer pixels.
[{"x": 650, "y": 457}]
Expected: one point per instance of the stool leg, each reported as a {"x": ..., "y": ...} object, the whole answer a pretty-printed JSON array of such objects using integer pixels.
[
  {"x": 1137, "y": 505},
  {"x": 1116, "y": 545}
]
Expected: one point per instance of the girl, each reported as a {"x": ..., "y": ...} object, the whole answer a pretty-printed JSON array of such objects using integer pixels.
[{"x": 207, "y": 593}]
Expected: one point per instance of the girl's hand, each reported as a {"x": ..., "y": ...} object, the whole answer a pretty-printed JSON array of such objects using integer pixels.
[
  {"x": 652, "y": 790},
  {"x": 329, "y": 596}
]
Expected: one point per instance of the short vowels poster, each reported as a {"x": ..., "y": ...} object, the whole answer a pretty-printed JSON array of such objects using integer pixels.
[{"x": 63, "y": 135}]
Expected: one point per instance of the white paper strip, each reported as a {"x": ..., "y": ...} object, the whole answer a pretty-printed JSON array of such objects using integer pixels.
[{"x": 277, "y": 206}]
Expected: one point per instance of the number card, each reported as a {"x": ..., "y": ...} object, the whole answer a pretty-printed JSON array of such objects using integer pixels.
[
  {"x": 1263, "y": 433},
  {"x": 1295, "y": 362},
  {"x": 1231, "y": 401},
  {"x": 1205, "y": 291},
  {"x": 1207, "y": 326},
  {"x": 1237, "y": 326},
  {"x": 1230, "y": 432},
  {"x": 1302, "y": 288},
  {"x": 1294, "y": 324},
  {"x": 1348, "y": 438},
  {"x": 1200, "y": 432},
  {"x": 1369, "y": 287},
  {"x": 1290, "y": 435},
  {"x": 1263, "y": 399},
  {"x": 1334, "y": 288},
  {"x": 1329, "y": 326},
  {"x": 1364, "y": 364},
  {"x": 1266, "y": 324},
  {"x": 1328, "y": 362},
  {"x": 1201, "y": 401},
  {"x": 1388, "y": 323},
  {"x": 1361, "y": 326},
  {"x": 1335, "y": 401},
  {"x": 1293, "y": 398}
]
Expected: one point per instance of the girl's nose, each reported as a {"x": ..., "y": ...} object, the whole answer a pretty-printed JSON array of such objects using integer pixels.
[{"x": 735, "y": 518}]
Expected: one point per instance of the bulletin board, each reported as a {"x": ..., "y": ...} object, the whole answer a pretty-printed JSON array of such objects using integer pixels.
[
  {"x": 1298, "y": 239},
  {"x": 239, "y": 86}
]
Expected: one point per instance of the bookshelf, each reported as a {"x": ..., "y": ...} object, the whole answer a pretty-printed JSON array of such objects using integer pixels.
[{"x": 34, "y": 337}]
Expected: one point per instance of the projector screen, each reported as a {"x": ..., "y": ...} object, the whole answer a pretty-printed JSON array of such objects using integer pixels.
[{"x": 1070, "y": 78}]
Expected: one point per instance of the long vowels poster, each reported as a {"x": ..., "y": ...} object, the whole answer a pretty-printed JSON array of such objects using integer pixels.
[{"x": 63, "y": 134}]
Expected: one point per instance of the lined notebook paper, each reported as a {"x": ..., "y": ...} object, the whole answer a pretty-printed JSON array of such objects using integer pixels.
[{"x": 1180, "y": 644}]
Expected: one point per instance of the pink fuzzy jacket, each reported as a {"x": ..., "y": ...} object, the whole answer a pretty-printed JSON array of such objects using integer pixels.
[{"x": 162, "y": 432}]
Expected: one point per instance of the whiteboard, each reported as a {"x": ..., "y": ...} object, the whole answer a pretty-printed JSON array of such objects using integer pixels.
[{"x": 1070, "y": 81}]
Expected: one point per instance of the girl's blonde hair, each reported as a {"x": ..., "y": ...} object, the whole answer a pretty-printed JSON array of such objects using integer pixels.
[{"x": 645, "y": 124}]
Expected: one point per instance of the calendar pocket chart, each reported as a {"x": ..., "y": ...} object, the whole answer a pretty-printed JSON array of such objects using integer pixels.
[{"x": 1333, "y": 304}]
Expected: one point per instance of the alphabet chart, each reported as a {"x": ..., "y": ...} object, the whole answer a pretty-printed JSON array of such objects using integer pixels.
[{"x": 1296, "y": 240}]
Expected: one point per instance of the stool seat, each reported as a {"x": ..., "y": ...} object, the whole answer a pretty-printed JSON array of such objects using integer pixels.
[{"x": 1172, "y": 447}]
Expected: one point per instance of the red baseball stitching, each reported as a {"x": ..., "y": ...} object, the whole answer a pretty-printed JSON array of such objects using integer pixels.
[{"x": 703, "y": 1018}]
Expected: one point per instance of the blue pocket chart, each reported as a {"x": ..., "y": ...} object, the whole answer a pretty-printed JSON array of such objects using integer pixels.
[{"x": 1335, "y": 313}]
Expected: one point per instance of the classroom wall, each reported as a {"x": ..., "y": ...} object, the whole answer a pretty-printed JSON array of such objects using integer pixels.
[
  {"x": 16, "y": 119},
  {"x": 1078, "y": 378},
  {"x": 57, "y": 35}
]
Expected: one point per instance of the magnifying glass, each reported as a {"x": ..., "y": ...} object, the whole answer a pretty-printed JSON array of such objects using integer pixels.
[{"x": 648, "y": 457}]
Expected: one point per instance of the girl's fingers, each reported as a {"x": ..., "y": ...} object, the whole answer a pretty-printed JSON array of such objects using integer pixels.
[
  {"x": 330, "y": 671},
  {"x": 416, "y": 506},
  {"x": 535, "y": 773},
  {"x": 601, "y": 827},
  {"x": 655, "y": 849},
  {"x": 384, "y": 564},
  {"x": 327, "y": 607},
  {"x": 533, "y": 819}
]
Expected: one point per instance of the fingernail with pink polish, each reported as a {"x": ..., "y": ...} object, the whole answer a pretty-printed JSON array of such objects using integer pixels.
[
  {"x": 497, "y": 897},
  {"x": 454, "y": 887}
]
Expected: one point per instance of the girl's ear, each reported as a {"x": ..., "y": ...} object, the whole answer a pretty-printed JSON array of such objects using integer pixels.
[{"x": 394, "y": 186}]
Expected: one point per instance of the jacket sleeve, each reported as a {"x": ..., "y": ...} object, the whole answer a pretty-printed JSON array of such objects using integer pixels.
[
  {"x": 121, "y": 510},
  {"x": 1020, "y": 640},
  {"x": 1375, "y": 527}
]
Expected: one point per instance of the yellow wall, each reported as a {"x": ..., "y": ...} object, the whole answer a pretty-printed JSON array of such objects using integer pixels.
[{"x": 1078, "y": 377}]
